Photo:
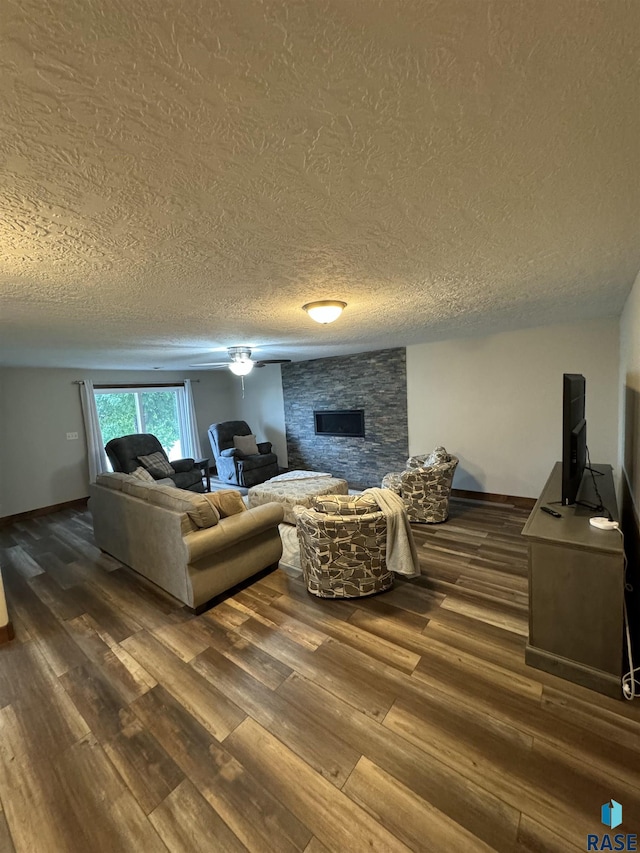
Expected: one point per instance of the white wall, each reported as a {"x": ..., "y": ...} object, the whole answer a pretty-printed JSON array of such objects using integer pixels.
[
  {"x": 630, "y": 394},
  {"x": 38, "y": 466},
  {"x": 496, "y": 402},
  {"x": 263, "y": 407}
]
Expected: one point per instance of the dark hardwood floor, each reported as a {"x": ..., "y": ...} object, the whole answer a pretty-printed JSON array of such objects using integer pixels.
[{"x": 280, "y": 722}]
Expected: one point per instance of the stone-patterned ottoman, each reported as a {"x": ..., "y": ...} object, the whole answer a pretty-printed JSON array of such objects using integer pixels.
[{"x": 296, "y": 492}]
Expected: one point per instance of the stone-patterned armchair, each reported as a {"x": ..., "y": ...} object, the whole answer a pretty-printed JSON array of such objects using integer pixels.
[
  {"x": 425, "y": 485},
  {"x": 343, "y": 546},
  {"x": 234, "y": 466}
]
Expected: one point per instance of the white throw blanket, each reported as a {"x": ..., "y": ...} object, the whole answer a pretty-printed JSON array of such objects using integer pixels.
[
  {"x": 299, "y": 475},
  {"x": 402, "y": 557}
]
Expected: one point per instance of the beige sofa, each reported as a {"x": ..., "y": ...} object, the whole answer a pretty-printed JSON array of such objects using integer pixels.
[{"x": 177, "y": 538}]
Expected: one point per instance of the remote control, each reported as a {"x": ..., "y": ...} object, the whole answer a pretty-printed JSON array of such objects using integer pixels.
[{"x": 551, "y": 511}]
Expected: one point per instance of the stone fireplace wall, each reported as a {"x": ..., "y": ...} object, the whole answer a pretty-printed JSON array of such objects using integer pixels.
[{"x": 373, "y": 381}]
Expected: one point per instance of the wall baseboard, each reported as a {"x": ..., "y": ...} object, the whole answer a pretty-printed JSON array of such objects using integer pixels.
[
  {"x": 6, "y": 633},
  {"x": 521, "y": 503},
  {"x": 78, "y": 503}
]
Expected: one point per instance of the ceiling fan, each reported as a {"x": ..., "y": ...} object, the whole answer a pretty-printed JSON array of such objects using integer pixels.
[{"x": 240, "y": 361}]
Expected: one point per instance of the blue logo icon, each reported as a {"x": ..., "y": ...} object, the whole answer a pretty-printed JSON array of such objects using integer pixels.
[{"x": 611, "y": 814}]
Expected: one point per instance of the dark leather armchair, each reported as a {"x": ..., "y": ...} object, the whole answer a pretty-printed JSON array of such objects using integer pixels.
[
  {"x": 123, "y": 454},
  {"x": 235, "y": 467}
]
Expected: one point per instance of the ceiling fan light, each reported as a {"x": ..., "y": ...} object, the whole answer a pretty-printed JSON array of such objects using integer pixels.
[
  {"x": 241, "y": 368},
  {"x": 325, "y": 311}
]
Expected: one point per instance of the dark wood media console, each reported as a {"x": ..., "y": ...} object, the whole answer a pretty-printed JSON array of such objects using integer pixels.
[{"x": 576, "y": 587}]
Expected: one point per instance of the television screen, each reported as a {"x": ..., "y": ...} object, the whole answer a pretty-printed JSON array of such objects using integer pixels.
[{"x": 574, "y": 435}]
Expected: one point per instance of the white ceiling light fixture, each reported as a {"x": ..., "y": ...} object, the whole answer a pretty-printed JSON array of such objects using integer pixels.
[
  {"x": 241, "y": 363},
  {"x": 325, "y": 311},
  {"x": 241, "y": 368}
]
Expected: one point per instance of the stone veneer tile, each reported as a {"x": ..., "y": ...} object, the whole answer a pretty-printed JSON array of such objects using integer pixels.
[{"x": 373, "y": 381}]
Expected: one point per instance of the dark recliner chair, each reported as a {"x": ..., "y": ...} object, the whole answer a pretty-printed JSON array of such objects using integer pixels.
[
  {"x": 123, "y": 454},
  {"x": 235, "y": 467}
]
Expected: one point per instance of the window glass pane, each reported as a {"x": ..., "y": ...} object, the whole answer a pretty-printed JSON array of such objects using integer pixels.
[
  {"x": 160, "y": 414},
  {"x": 117, "y": 414}
]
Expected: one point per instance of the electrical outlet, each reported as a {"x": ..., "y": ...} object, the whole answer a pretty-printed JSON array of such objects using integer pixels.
[{"x": 71, "y": 436}]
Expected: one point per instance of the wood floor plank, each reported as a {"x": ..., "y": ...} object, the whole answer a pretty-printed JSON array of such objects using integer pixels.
[
  {"x": 108, "y": 617},
  {"x": 248, "y": 808},
  {"x": 54, "y": 642},
  {"x": 512, "y": 767},
  {"x": 502, "y": 698},
  {"x": 375, "y": 605},
  {"x": 97, "y": 701},
  {"x": 103, "y": 805},
  {"x": 19, "y": 560},
  {"x": 315, "y": 846},
  {"x": 535, "y": 838},
  {"x": 399, "y": 634},
  {"x": 6, "y": 842},
  {"x": 200, "y": 698},
  {"x": 37, "y": 810},
  {"x": 182, "y": 640},
  {"x": 62, "y": 603},
  {"x": 226, "y": 614},
  {"x": 470, "y": 805},
  {"x": 410, "y": 818},
  {"x": 186, "y": 822},
  {"x": 606, "y": 723},
  {"x": 202, "y": 635},
  {"x": 407, "y": 596},
  {"x": 351, "y": 633},
  {"x": 340, "y": 825},
  {"x": 438, "y": 657},
  {"x": 149, "y": 773},
  {"x": 490, "y": 610},
  {"x": 28, "y": 684},
  {"x": 469, "y": 627},
  {"x": 291, "y": 627},
  {"x": 321, "y": 748}
]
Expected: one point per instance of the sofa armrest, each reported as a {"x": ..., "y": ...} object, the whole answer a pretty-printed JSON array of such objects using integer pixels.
[
  {"x": 229, "y": 531},
  {"x": 181, "y": 466},
  {"x": 229, "y": 453},
  {"x": 264, "y": 447}
]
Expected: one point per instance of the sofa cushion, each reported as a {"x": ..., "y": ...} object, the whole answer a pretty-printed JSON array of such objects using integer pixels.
[
  {"x": 112, "y": 480},
  {"x": 137, "y": 488},
  {"x": 227, "y": 502},
  {"x": 157, "y": 465},
  {"x": 196, "y": 505},
  {"x": 142, "y": 474},
  {"x": 345, "y": 504},
  {"x": 246, "y": 444}
]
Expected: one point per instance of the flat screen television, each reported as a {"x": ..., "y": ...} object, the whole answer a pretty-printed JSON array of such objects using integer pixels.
[{"x": 574, "y": 435}]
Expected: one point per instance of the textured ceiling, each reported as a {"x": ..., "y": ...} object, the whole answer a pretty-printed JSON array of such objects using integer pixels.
[{"x": 180, "y": 177}]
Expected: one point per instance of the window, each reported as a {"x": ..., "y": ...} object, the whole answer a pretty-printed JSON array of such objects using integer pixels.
[{"x": 160, "y": 411}]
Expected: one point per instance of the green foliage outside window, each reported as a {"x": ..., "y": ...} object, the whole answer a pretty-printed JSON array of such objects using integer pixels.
[
  {"x": 118, "y": 416},
  {"x": 160, "y": 412}
]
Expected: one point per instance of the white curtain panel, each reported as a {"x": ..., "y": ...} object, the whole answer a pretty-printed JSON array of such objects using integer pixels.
[
  {"x": 95, "y": 444},
  {"x": 187, "y": 414}
]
